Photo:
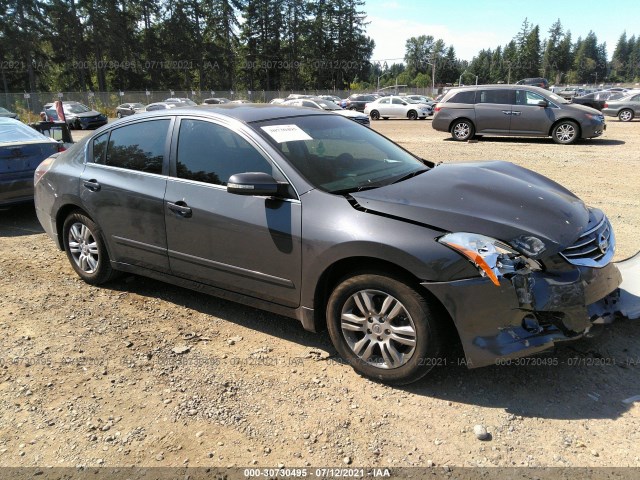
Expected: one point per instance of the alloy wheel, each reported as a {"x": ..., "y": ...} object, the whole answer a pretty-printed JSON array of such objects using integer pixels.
[{"x": 378, "y": 329}]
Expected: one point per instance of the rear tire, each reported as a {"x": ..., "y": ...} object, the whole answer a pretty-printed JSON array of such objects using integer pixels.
[
  {"x": 375, "y": 115},
  {"x": 462, "y": 130},
  {"x": 383, "y": 328},
  {"x": 625, "y": 115},
  {"x": 86, "y": 250}
]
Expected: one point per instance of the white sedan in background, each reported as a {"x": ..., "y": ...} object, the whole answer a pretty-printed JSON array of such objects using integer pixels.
[{"x": 397, "y": 107}]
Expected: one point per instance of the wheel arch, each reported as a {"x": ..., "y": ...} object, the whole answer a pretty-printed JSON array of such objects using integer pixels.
[
  {"x": 62, "y": 215},
  {"x": 453, "y": 122},
  {"x": 565, "y": 119},
  {"x": 339, "y": 270}
]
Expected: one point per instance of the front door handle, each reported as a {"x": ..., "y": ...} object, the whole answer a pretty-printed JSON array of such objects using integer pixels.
[
  {"x": 516, "y": 113},
  {"x": 92, "y": 185},
  {"x": 180, "y": 208},
  {"x": 506, "y": 112}
]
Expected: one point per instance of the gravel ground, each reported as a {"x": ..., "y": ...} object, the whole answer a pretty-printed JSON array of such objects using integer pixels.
[{"x": 146, "y": 374}]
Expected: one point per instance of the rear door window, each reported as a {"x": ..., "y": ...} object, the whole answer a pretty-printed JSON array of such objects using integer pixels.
[{"x": 138, "y": 147}]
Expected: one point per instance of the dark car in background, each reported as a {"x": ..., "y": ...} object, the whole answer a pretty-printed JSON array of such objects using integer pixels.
[
  {"x": 127, "y": 109},
  {"x": 7, "y": 114},
  {"x": 77, "y": 115},
  {"x": 307, "y": 214},
  {"x": 596, "y": 99},
  {"x": 358, "y": 101},
  {"x": 215, "y": 101},
  {"x": 534, "y": 82},
  {"x": 515, "y": 110},
  {"x": 625, "y": 108},
  {"x": 21, "y": 151}
]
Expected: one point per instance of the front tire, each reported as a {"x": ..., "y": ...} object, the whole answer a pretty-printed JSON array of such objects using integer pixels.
[
  {"x": 119, "y": 115},
  {"x": 565, "y": 133},
  {"x": 383, "y": 328},
  {"x": 375, "y": 115},
  {"x": 412, "y": 115},
  {"x": 462, "y": 130},
  {"x": 625, "y": 115},
  {"x": 86, "y": 250}
]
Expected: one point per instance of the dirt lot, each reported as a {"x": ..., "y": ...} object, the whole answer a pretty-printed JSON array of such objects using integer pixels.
[{"x": 89, "y": 376}]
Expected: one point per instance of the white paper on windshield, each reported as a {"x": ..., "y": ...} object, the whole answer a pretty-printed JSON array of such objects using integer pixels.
[{"x": 286, "y": 133}]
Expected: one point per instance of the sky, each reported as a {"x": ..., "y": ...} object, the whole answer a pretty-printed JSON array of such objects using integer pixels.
[{"x": 473, "y": 25}]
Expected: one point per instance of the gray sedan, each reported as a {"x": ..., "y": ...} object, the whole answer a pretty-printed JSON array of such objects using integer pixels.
[
  {"x": 626, "y": 108},
  {"x": 310, "y": 215}
]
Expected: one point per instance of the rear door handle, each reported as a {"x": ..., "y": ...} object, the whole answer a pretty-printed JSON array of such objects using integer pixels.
[
  {"x": 506, "y": 112},
  {"x": 180, "y": 208},
  {"x": 92, "y": 185},
  {"x": 516, "y": 113}
]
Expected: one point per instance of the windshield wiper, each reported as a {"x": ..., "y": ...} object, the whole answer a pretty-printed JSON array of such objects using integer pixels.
[
  {"x": 361, "y": 188},
  {"x": 409, "y": 175}
]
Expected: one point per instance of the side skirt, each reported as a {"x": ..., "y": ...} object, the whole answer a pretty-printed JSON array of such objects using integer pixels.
[{"x": 303, "y": 314}]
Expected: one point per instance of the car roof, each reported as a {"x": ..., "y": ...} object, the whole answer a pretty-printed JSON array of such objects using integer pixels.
[
  {"x": 499, "y": 87},
  {"x": 244, "y": 112}
]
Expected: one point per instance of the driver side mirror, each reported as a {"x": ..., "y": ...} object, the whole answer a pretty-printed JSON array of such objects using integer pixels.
[
  {"x": 543, "y": 103},
  {"x": 255, "y": 183}
]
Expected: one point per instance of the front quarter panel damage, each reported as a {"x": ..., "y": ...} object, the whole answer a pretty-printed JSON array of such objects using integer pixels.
[{"x": 527, "y": 313}]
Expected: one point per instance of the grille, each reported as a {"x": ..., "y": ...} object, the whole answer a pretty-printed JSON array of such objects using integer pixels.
[{"x": 594, "y": 248}]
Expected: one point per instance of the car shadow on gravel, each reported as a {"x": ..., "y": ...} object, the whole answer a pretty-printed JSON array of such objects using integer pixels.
[
  {"x": 595, "y": 142},
  {"x": 252, "y": 318},
  {"x": 19, "y": 220},
  {"x": 588, "y": 378}
]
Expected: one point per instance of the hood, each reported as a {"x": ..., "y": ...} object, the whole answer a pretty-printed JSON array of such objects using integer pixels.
[{"x": 498, "y": 199}]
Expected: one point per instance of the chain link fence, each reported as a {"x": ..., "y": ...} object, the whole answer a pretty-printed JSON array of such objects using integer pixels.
[{"x": 30, "y": 104}]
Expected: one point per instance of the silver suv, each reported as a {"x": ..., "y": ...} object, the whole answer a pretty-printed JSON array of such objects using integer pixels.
[{"x": 516, "y": 110}]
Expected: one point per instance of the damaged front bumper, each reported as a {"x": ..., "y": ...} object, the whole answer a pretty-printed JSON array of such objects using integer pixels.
[{"x": 530, "y": 313}]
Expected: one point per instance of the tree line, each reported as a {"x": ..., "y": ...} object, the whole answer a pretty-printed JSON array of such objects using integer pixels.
[
  {"x": 107, "y": 45},
  {"x": 110, "y": 45},
  {"x": 557, "y": 58}
]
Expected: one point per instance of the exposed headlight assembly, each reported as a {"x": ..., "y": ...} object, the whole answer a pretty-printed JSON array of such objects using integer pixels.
[{"x": 493, "y": 258}]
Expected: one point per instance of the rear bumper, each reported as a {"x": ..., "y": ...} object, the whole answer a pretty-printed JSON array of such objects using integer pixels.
[
  {"x": 528, "y": 313},
  {"x": 16, "y": 188}
]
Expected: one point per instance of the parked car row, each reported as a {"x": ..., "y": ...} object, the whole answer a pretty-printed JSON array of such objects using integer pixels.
[{"x": 327, "y": 105}]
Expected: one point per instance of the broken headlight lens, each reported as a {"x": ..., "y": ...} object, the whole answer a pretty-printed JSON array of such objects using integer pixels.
[{"x": 493, "y": 258}]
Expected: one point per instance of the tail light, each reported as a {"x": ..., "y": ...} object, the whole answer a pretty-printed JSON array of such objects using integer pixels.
[
  {"x": 438, "y": 108},
  {"x": 61, "y": 147},
  {"x": 606, "y": 105},
  {"x": 42, "y": 169}
]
